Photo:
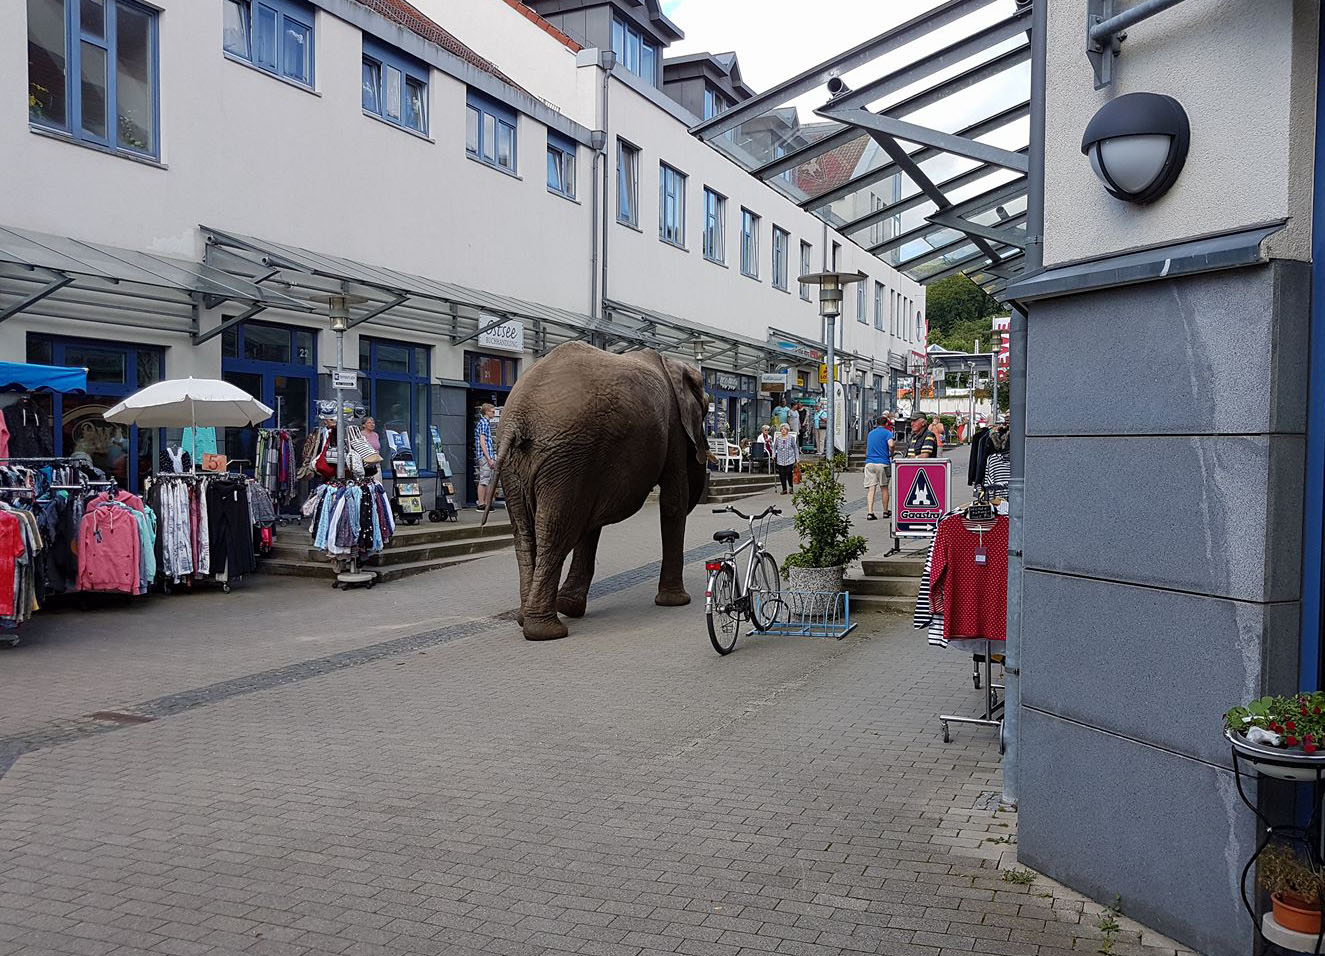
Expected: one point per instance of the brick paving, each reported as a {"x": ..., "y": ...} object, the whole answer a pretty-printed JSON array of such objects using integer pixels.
[{"x": 457, "y": 789}]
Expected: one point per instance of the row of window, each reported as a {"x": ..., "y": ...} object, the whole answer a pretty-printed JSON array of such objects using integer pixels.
[
  {"x": 635, "y": 51},
  {"x": 898, "y": 309}
]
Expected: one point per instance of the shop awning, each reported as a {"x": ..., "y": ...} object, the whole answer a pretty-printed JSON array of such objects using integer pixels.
[
  {"x": 20, "y": 377},
  {"x": 40, "y": 266}
]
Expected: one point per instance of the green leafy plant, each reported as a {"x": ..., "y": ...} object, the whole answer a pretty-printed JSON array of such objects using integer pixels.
[
  {"x": 1281, "y": 870},
  {"x": 1107, "y": 923},
  {"x": 821, "y": 519},
  {"x": 1019, "y": 876},
  {"x": 1298, "y": 719}
]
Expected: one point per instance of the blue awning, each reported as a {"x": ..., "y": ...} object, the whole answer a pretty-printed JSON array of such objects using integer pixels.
[{"x": 18, "y": 377}]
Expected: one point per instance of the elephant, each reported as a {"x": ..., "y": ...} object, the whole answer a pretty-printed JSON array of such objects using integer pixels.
[{"x": 585, "y": 436}]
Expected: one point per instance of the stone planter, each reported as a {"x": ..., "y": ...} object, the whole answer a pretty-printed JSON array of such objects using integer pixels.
[{"x": 825, "y": 583}]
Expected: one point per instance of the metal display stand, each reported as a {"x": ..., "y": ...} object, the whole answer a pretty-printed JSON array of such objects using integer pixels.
[
  {"x": 993, "y": 705},
  {"x": 1252, "y": 760}
]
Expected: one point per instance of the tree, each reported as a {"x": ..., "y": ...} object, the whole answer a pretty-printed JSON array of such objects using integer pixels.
[{"x": 956, "y": 300}]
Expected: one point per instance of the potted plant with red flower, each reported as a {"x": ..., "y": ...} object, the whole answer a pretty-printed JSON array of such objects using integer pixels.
[{"x": 1282, "y": 736}]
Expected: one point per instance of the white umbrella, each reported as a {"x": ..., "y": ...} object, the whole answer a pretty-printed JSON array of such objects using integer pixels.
[{"x": 185, "y": 401}]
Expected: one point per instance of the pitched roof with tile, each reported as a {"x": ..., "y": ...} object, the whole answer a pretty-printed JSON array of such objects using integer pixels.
[
  {"x": 538, "y": 21},
  {"x": 409, "y": 17}
]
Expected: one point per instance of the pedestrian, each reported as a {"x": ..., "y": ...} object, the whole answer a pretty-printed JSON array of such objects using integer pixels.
[
  {"x": 785, "y": 454},
  {"x": 940, "y": 433},
  {"x": 781, "y": 412},
  {"x": 370, "y": 434},
  {"x": 921, "y": 443},
  {"x": 821, "y": 430},
  {"x": 485, "y": 453},
  {"x": 878, "y": 466},
  {"x": 794, "y": 423}
]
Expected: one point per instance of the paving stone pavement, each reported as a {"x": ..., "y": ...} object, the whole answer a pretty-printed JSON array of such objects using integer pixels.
[{"x": 460, "y": 790}]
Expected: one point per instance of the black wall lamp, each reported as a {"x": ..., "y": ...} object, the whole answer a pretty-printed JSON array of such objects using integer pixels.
[{"x": 1137, "y": 144}]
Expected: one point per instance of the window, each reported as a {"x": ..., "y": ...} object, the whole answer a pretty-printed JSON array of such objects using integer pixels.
[
  {"x": 273, "y": 35},
  {"x": 878, "y": 306},
  {"x": 805, "y": 270},
  {"x": 781, "y": 245},
  {"x": 394, "y": 386},
  {"x": 560, "y": 164},
  {"x": 627, "y": 183},
  {"x": 92, "y": 72},
  {"x": 837, "y": 248},
  {"x": 490, "y": 131},
  {"x": 715, "y": 226},
  {"x": 715, "y": 101},
  {"x": 920, "y": 328},
  {"x": 749, "y": 244},
  {"x": 671, "y": 205},
  {"x": 861, "y": 314},
  {"x": 395, "y": 86},
  {"x": 634, "y": 50},
  {"x": 892, "y": 312}
]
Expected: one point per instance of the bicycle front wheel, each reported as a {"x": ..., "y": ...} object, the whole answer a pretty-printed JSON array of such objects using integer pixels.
[
  {"x": 765, "y": 592},
  {"x": 724, "y": 617}
]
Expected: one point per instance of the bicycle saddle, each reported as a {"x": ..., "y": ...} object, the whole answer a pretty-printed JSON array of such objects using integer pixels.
[{"x": 725, "y": 536}]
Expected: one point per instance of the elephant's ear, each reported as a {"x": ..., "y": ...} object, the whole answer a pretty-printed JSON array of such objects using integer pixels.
[{"x": 688, "y": 393}]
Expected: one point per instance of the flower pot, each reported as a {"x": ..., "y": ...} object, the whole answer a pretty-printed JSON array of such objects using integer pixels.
[
  {"x": 814, "y": 592},
  {"x": 1295, "y": 913},
  {"x": 1280, "y": 763}
]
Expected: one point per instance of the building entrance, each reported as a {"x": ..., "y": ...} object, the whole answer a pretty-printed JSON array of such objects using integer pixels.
[
  {"x": 490, "y": 379},
  {"x": 277, "y": 365}
]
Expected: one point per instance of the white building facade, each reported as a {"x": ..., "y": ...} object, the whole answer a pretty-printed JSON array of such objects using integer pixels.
[{"x": 194, "y": 172}]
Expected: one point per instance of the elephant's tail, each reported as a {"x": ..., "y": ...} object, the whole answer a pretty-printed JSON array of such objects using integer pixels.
[{"x": 502, "y": 449}]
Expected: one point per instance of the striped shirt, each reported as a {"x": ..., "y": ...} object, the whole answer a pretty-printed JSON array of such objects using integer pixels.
[{"x": 998, "y": 471}]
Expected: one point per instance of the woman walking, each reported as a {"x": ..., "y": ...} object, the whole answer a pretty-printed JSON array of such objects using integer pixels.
[{"x": 786, "y": 453}]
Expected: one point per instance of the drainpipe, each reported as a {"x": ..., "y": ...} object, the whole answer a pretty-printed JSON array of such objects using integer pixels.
[
  {"x": 606, "y": 60},
  {"x": 1017, "y": 405}
]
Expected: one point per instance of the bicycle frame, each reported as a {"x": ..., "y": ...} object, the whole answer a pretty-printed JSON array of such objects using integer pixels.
[{"x": 741, "y": 597}]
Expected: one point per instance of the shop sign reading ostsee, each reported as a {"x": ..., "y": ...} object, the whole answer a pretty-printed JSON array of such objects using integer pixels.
[{"x": 507, "y": 337}]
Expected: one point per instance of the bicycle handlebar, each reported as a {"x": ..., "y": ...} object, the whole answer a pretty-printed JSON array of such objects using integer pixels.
[{"x": 771, "y": 509}]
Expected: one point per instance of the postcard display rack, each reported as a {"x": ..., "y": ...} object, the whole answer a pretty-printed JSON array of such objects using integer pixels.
[{"x": 406, "y": 494}]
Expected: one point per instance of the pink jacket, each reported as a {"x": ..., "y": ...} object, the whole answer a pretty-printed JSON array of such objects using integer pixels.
[{"x": 108, "y": 546}]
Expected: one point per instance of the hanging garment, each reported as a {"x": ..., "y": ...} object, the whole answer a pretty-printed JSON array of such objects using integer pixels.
[
  {"x": 230, "y": 528},
  {"x": 31, "y": 433},
  {"x": 108, "y": 546},
  {"x": 12, "y": 547},
  {"x": 199, "y": 442},
  {"x": 175, "y": 461},
  {"x": 969, "y": 579}
]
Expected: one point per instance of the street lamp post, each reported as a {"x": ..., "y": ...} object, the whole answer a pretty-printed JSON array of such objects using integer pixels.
[{"x": 830, "y": 307}]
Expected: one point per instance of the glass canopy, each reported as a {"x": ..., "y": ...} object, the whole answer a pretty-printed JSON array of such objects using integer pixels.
[{"x": 916, "y": 149}]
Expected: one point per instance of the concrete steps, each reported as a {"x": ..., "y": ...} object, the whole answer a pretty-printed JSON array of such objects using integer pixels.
[
  {"x": 733, "y": 486},
  {"x": 413, "y": 550},
  {"x": 887, "y": 584}
]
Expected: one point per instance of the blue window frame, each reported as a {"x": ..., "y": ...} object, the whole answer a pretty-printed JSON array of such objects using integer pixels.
[
  {"x": 861, "y": 315},
  {"x": 92, "y": 72},
  {"x": 490, "y": 131},
  {"x": 395, "y": 86},
  {"x": 560, "y": 164},
  {"x": 634, "y": 50},
  {"x": 715, "y": 226},
  {"x": 394, "y": 383},
  {"x": 276, "y": 364},
  {"x": 878, "y": 306},
  {"x": 627, "y": 183},
  {"x": 749, "y": 244},
  {"x": 129, "y": 453},
  {"x": 273, "y": 35},
  {"x": 781, "y": 250},
  {"x": 671, "y": 205}
]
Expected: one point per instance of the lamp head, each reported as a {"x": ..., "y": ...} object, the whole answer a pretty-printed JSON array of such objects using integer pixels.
[{"x": 1137, "y": 145}]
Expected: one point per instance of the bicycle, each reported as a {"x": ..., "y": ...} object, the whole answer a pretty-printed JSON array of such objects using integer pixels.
[{"x": 728, "y": 600}]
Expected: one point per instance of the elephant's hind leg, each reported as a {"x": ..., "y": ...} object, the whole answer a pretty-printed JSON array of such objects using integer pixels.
[
  {"x": 574, "y": 593},
  {"x": 540, "y": 610},
  {"x": 526, "y": 549}
]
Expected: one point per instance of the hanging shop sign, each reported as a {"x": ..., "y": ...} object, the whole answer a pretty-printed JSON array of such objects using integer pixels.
[
  {"x": 507, "y": 337},
  {"x": 921, "y": 494},
  {"x": 772, "y": 383},
  {"x": 345, "y": 379}
]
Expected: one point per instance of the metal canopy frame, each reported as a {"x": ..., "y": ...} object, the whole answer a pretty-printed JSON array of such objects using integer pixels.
[
  {"x": 81, "y": 275},
  {"x": 980, "y": 55}
]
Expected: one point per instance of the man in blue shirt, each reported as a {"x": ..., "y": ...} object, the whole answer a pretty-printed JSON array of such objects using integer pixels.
[
  {"x": 878, "y": 467},
  {"x": 782, "y": 412}
]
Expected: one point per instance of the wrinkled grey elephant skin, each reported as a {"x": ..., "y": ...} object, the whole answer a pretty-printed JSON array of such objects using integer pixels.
[{"x": 585, "y": 435}]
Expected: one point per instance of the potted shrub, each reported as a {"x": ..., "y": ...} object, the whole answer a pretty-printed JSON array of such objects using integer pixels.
[
  {"x": 1295, "y": 886},
  {"x": 827, "y": 544}
]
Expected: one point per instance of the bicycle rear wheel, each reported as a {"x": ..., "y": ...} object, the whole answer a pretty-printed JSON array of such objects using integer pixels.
[
  {"x": 765, "y": 591},
  {"x": 724, "y": 619}
]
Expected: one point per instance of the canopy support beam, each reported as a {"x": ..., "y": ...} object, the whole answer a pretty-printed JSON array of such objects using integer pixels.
[
  {"x": 374, "y": 313},
  {"x": 55, "y": 285},
  {"x": 230, "y": 323}
]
